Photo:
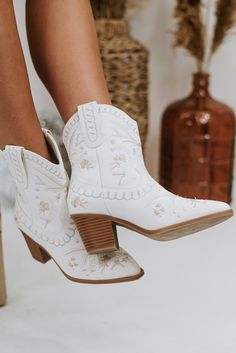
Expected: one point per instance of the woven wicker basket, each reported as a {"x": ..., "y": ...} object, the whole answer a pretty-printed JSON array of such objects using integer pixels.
[{"x": 125, "y": 63}]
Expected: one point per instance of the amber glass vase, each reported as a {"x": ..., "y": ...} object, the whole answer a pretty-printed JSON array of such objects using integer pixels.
[{"x": 197, "y": 145}]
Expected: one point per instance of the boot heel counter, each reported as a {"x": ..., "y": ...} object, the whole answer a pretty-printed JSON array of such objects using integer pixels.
[{"x": 86, "y": 201}]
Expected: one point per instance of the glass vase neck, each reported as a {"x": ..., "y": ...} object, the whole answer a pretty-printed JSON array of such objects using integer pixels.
[{"x": 200, "y": 85}]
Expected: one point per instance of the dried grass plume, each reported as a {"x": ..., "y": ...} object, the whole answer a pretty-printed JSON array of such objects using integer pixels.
[
  {"x": 189, "y": 33},
  {"x": 194, "y": 30},
  {"x": 225, "y": 21}
]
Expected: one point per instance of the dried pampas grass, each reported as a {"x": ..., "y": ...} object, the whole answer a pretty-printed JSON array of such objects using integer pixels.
[
  {"x": 202, "y": 35},
  {"x": 189, "y": 33},
  {"x": 225, "y": 21}
]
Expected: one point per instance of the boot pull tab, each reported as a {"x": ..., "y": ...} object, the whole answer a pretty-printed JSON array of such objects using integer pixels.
[
  {"x": 14, "y": 158},
  {"x": 90, "y": 124}
]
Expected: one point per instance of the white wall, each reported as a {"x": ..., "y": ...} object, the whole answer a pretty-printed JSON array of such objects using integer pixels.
[{"x": 170, "y": 71}]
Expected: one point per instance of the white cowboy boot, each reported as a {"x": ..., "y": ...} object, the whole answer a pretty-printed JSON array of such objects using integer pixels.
[
  {"x": 41, "y": 213},
  {"x": 110, "y": 184}
]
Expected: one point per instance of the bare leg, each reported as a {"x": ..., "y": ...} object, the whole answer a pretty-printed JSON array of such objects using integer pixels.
[
  {"x": 63, "y": 43},
  {"x": 19, "y": 124}
]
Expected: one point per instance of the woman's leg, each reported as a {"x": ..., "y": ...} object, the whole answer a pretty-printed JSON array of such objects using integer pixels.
[
  {"x": 19, "y": 124},
  {"x": 63, "y": 43}
]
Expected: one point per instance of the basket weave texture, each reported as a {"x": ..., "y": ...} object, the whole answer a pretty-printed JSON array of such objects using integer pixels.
[{"x": 125, "y": 63}]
